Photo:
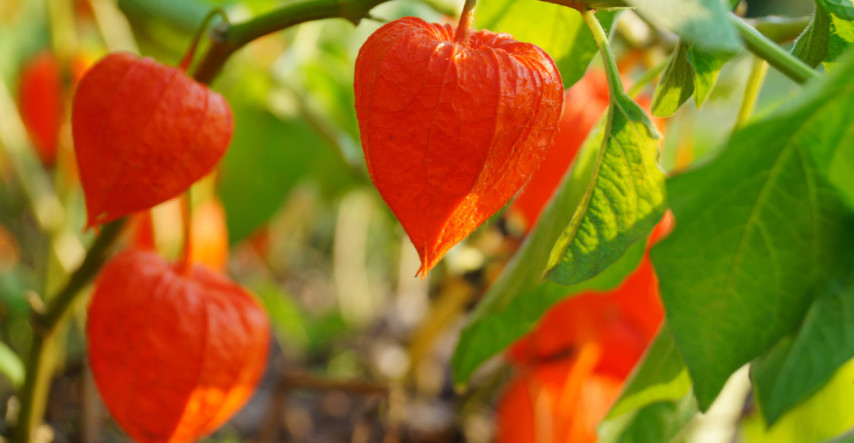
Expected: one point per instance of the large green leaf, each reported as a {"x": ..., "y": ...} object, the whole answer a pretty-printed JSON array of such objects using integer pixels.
[
  {"x": 516, "y": 301},
  {"x": 798, "y": 367},
  {"x": 559, "y": 30},
  {"x": 660, "y": 376},
  {"x": 703, "y": 23},
  {"x": 622, "y": 203},
  {"x": 812, "y": 45},
  {"x": 757, "y": 229}
]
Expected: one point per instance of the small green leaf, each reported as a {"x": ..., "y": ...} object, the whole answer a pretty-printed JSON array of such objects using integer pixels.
[
  {"x": 756, "y": 230},
  {"x": 707, "y": 66},
  {"x": 559, "y": 30},
  {"x": 812, "y": 45},
  {"x": 798, "y": 367},
  {"x": 515, "y": 302},
  {"x": 841, "y": 8},
  {"x": 11, "y": 365},
  {"x": 660, "y": 376},
  {"x": 676, "y": 85},
  {"x": 656, "y": 422},
  {"x": 623, "y": 202},
  {"x": 703, "y": 23}
]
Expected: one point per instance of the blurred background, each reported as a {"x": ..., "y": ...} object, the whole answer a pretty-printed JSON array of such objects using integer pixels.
[{"x": 362, "y": 347}]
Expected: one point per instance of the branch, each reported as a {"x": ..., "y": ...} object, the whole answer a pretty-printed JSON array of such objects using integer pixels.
[{"x": 225, "y": 39}]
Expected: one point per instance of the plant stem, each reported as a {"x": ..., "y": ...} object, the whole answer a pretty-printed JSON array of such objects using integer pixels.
[
  {"x": 751, "y": 91},
  {"x": 613, "y": 73},
  {"x": 776, "y": 56},
  {"x": 34, "y": 393},
  {"x": 466, "y": 22},
  {"x": 227, "y": 39}
]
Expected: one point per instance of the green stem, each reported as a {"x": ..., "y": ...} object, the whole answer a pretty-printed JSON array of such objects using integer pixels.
[
  {"x": 780, "y": 29},
  {"x": 225, "y": 39},
  {"x": 34, "y": 393},
  {"x": 613, "y": 73},
  {"x": 751, "y": 91},
  {"x": 776, "y": 56}
]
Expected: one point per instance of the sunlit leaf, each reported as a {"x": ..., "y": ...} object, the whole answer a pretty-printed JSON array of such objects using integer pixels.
[
  {"x": 656, "y": 422},
  {"x": 622, "y": 203},
  {"x": 823, "y": 416},
  {"x": 515, "y": 302},
  {"x": 676, "y": 84},
  {"x": 660, "y": 376},
  {"x": 756, "y": 230},
  {"x": 559, "y": 30}
]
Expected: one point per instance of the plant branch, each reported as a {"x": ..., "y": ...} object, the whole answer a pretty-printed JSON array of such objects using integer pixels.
[
  {"x": 776, "y": 56},
  {"x": 227, "y": 39},
  {"x": 34, "y": 392}
]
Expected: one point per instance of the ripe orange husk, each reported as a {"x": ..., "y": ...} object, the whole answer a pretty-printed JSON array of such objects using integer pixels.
[
  {"x": 571, "y": 368},
  {"x": 174, "y": 350},
  {"x": 143, "y": 133},
  {"x": 451, "y": 129},
  {"x": 40, "y": 97}
]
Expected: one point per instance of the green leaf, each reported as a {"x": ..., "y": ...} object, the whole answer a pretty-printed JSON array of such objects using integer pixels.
[
  {"x": 558, "y": 30},
  {"x": 812, "y": 45},
  {"x": 265, "y": 161},
  {"x": 840, "y": 40},
  {"x": 703, "y": 23},
  {"x": 656, "y": 422},
  {"x": 707, "y": 66},
  {"x": 676, "y": 84},
  {"x": 756, "y": 230},
  {"x": 661, "y": 375},
  {"x": 11, "y": 365},
  {"x": 516, "y": 301},
  {"x": 841, "y": 8},
  {"x": 622, "y": 203},
  {"x": 798, "y": 367},
  {"x": 823, "y": 416}
]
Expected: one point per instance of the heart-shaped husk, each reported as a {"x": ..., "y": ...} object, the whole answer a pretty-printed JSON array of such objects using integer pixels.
[
  {"x": 143, "y": 133},
  {"x": 451, "y": 130},
  {"x": 174, "y": 352}
]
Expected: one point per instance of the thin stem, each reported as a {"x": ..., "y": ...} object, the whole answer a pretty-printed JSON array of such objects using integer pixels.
[
  {"x": 34, "y": 392},
  {"x": 225, "y": 39},
  {"x": 776, "y": 56},
  {"x": 187, "y": 207},
  {"x": 751, "y": 91},
  {"x": 466, "y": 22},
  {"x": 188, "y": 57},
  {"x": 611, "y": 70},
  {"x": 647, "y": 77}
]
